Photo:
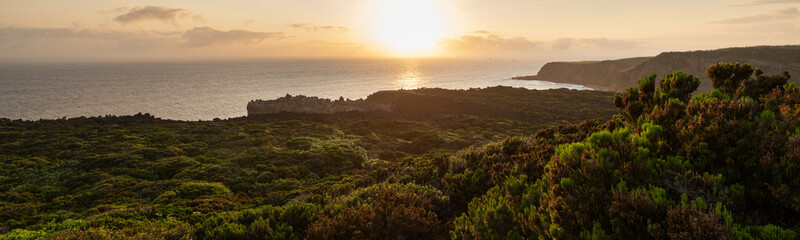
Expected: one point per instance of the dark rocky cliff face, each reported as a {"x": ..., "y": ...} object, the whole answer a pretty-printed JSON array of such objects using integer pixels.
[{"x": 617, "y": 75}]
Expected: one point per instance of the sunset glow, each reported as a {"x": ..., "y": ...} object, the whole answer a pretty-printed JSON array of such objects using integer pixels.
[
  {"x": 409, "y": 27},
  {"x": 541, "y": 30}
]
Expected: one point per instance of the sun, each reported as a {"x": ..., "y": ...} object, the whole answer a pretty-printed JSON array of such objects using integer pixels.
[{"x": 409, "y": 27}]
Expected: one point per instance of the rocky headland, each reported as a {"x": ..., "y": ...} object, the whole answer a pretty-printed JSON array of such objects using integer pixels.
[{"x": 617, "y": 75}]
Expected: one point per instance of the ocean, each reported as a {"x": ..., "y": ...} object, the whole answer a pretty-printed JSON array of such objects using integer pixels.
[{"x": 204, "y": 90}]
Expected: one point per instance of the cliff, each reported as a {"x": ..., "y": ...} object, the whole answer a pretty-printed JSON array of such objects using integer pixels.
[
  {"x": 617, "y": 75},
  {"x": 592, "y": 74}
]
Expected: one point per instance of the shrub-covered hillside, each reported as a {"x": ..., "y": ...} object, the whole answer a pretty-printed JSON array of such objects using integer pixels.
[
  {"x": 719, "y": 165},
  {"x": 673, "y": 164},
  {"x": 139, "y": 176}
]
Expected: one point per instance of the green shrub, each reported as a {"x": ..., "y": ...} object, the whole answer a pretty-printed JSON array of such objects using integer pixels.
[{"x": 192, "y": 190}]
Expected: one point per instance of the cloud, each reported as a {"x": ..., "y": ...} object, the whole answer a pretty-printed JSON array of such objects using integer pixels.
[
  {"x": 24, "y": 42},
  {"x": 206, "y": 36},
  {"x": 484, "y": 40},
  {"x": 310, "y": 27},
  {"x": 113, "y": 11},
  {"x": 783, "y": 14},
  {"x": 21, "y": 35},
  {"x": 16, "y": 38},
  {"x": 19, "y": 38},
  {"x": 249, "y": 21},
  {"x": 156, "y": 13},
  {"x": 766, "y": 2},
  {"x": 12, "y": 32},
  {"x": 588, "y": 43}
]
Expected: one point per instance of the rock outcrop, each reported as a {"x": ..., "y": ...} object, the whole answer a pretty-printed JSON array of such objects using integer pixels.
[
  {"x": 533, "y": 106},
  {"x": 617, "y": 75}
]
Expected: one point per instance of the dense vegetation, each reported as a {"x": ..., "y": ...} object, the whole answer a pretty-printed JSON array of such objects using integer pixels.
[
  {"x": 540, "y": 107},
  {"x": 123, "y": 176},
  {"x": 718, "y": 165}
]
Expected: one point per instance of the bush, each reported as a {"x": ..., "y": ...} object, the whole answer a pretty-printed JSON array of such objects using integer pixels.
[
  {"x": 192, "y": 190},
  {"x": 393, "y": 216}
]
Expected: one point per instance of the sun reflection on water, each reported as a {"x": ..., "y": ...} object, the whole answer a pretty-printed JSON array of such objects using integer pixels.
[{"x": 409, "y": 77}]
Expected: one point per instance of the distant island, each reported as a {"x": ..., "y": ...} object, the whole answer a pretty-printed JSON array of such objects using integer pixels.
[{"x": 617, "y": 75}]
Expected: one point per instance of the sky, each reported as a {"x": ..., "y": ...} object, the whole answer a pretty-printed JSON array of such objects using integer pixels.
[{"x": 548, "y": 30}]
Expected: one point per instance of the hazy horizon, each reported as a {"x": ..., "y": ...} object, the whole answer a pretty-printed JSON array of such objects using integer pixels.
[{"x": 317, "y": 29}]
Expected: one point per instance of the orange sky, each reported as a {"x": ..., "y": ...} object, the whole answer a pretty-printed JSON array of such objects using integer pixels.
[{"x": 516, "y": 29}]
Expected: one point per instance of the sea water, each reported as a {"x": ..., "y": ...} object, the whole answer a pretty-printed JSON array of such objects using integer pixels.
[{"x": 207, "y": 89}]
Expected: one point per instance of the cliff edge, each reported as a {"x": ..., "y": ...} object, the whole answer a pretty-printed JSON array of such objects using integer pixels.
[{"x": 617, "y": 75}]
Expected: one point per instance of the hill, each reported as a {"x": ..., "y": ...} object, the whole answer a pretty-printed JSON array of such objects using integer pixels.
[
  {"x": 143, "y": 177},
  {"x": 671, "y": 164},
  {"x": 617, "y": 75}
]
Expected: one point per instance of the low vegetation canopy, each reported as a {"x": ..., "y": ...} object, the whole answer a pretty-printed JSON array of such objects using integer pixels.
[{"x": 672, "y": 164}]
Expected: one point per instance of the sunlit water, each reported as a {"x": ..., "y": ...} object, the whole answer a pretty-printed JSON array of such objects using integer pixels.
[{"x": 221, "y": 89}]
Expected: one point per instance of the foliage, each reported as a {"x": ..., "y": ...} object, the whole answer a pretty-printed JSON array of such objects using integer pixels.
[
  {"x": 721, "y": 165},
  {"x": 392, "y": 216},
  {"x": 727, "y": 77},
  {"x": 126, "y": 176}
]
